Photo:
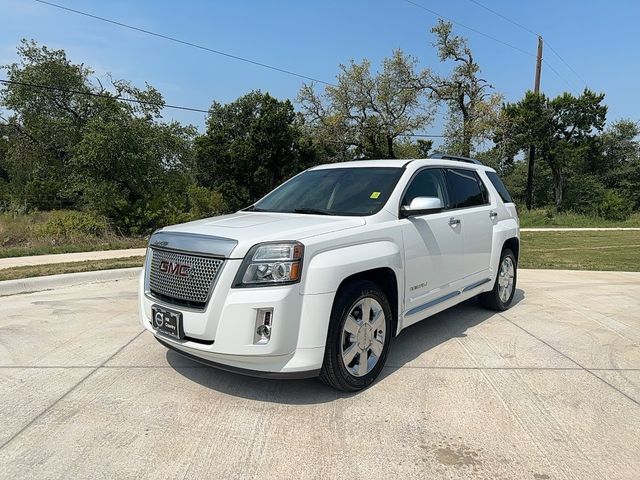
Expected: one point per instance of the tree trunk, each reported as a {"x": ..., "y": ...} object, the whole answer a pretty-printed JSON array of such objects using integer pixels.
[
  {"x": 558, "y": 186},
  {"x": 390, "y": 147},
  {"x": 466, "y": 135}
]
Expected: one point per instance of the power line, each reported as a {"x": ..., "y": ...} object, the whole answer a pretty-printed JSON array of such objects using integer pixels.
[
  {"x": 519, "y": 25},
  {"x": 567, "y": 82},
  {"x": 133, "y": 100},
  {"x": 184, "y": 42},
  {"x": 101, "y": 95},
  {"x": 420, "y": 135},
  {"x": 490, "y": 37},
  {"x": 567, "y": 64},
  {"x": 528, "y": 30}
]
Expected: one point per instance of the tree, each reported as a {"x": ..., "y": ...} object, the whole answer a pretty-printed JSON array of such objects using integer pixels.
[
  {"x": 619, "y": 166},
  {"x": 406, "y": 148},
  {"x": 473, "y": 110},
  {"x": 44, "y": 124},
  {"x": 575, "y": 123},
  {"x": 564, "y": 131},
  {"x": 365, "y": 114},
  {"x": 73, "y": 143},
  {"x": 251, "y": 145},
  {"x": 131, "y": 169}
]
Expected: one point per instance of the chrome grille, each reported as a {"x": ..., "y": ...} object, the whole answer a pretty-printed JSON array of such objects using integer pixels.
[{"x": 192, "y": 289}]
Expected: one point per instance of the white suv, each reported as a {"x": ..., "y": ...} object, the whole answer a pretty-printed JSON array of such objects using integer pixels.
[{"x": 318, "y": 276}]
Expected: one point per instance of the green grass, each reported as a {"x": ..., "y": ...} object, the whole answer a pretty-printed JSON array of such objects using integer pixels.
[
  {"x": 613, "y": 250},
  {"x": 542, "y": 218},
  {"x": 72, "y": 267},
  {"x": 27, "y": 234},
  {"x": 99, "y": 244},
  {"x": 616, "y": 250}
]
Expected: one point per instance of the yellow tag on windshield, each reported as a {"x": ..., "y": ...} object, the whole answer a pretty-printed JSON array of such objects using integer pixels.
[{"x": 375, "y": 195}]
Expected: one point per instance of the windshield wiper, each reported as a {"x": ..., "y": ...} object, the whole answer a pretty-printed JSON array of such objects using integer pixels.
[{"x": 313, "y": 211}]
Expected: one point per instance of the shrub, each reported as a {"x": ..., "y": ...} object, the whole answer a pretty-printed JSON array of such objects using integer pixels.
[
  {"x": 71, "y": 225},
  {"x": 584, "y": 194},
  {"x": 614, "y": 206},
  {"x": 204, "y": 203}
]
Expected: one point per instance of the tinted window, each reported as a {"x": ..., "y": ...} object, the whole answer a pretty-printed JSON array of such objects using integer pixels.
[
  {"x": 502, "y": 190},
  {"x": 333, "y": 191},
  {"x": 465, "y": 188},
  {"x": 427, "y": 183}
]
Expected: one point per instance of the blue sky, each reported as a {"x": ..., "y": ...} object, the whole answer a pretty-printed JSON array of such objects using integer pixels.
[{"x": 599, "y": 40}]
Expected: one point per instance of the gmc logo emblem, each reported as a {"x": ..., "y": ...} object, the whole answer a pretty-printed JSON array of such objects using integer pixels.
[{"x": 177, "y": 269}]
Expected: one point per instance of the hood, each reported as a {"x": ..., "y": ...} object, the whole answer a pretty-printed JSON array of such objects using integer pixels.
[{"x": 249, "y": 228}]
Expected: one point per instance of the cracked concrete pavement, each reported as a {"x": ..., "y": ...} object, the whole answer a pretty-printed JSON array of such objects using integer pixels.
[{"x": 549, "y": 389}]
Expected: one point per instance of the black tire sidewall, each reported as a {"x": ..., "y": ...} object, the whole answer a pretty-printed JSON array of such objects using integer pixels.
[
  {"x": 342, "y": 308},
  {"x": 496, "y": 289}
]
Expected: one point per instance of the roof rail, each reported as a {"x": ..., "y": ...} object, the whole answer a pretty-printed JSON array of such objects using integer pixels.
[{"x": 444, "y": 156}]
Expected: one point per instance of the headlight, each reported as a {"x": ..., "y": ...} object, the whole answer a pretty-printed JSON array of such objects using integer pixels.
[{"x": 271, "y": 264}]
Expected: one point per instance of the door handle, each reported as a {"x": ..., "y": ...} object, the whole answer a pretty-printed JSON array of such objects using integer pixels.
[
  {"x": 493, "y": 215},
  {"x": 454, "y": 221}
]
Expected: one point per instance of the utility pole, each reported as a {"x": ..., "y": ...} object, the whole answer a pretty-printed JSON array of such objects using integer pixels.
[{"x": 532, "y": 148}]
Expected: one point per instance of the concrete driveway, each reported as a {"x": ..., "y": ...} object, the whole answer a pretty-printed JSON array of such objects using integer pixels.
[{"x": 548, "y": 390}]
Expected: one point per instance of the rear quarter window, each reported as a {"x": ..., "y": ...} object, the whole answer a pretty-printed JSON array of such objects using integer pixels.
[{"x": 499, "y": 186}]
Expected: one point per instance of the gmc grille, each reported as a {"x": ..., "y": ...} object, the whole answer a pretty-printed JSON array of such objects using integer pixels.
[{"x": 189, "y": 287}]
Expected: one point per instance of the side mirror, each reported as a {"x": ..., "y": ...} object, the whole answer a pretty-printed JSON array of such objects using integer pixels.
[{"x": 421, "y": 206}]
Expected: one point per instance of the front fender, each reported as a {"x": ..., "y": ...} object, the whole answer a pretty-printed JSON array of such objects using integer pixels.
[
  {"x": 324, "y": 274},
  {"x": 329, "y": 268}
]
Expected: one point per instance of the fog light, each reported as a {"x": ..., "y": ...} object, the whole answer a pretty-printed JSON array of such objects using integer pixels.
[
  {"x": 264, "y": 331},
  {"x": 264, "y": 320}
]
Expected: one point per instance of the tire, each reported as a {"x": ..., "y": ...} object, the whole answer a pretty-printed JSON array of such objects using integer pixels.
[
  {"x": 350, "y": 339},
  {"x": 498, "y": 299}
]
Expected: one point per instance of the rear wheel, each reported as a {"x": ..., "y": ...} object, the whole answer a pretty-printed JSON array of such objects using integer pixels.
[
  {"x": 358, "y": 338},
  {"x": 501, "y": 296}
]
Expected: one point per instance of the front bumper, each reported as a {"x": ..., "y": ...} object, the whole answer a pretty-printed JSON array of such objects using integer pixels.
[
  {"x": 223, "y": 335},
  {"x": 282, "y": 373}
]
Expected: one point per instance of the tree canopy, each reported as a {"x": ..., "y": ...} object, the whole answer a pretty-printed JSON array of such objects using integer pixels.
[
  {"x": 473, "y": 106},
  {"x": 251, "y": 145},
  {"x": 72, "y": 140},
  {"x": 71, "y": 143},
  {"x": 365, "y": 114}
]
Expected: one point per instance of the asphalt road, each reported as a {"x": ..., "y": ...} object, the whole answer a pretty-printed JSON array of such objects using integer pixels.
[{"x": 548, "y": 390}]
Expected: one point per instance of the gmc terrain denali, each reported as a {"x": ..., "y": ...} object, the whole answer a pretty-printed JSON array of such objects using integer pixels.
[{"x": 317, "y": 277}]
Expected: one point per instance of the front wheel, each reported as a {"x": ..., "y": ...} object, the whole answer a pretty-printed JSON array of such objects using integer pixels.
[
  {"x": 358, "y": 338},
  {"x": 501, "y": 296}
]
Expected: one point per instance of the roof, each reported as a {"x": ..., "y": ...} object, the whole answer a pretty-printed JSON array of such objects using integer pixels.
[{"x": 440, "y": 160}]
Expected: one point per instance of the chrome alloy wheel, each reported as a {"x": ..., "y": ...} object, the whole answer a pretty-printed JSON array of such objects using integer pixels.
[
  {"x": 505, "y": 279},
  {"x": 363, "y": 336}
]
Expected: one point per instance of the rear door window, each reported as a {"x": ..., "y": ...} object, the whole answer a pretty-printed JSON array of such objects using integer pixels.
[{"x": 465, "y": 188}]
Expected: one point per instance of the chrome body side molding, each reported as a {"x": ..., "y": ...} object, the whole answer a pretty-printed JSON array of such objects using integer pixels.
[{"x": 444, "y": 298}]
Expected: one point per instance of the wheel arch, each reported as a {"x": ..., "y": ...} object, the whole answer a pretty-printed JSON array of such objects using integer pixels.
[
  {"x": 328, "y": 271},
  {"x": 512, "y": 244},
  {"x": 385, "y": 278}
]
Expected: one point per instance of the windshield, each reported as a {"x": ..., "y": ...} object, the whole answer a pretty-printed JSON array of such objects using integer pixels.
[{"x": 333, "y": 191}]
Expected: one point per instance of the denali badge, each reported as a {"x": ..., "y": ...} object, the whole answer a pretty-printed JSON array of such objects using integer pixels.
[{"x": 173, "y": 268}]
